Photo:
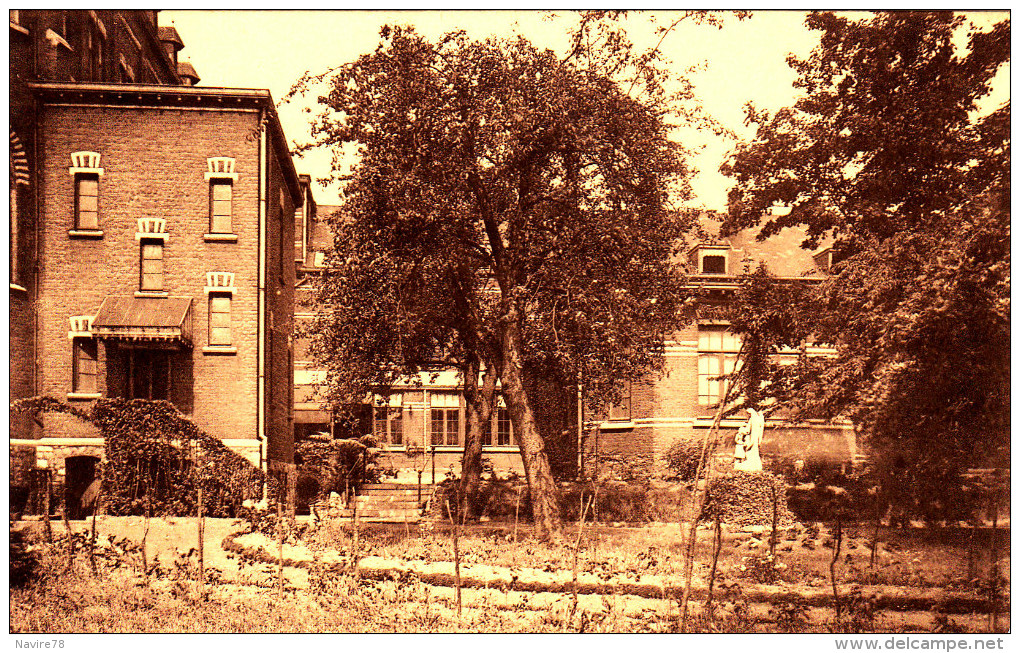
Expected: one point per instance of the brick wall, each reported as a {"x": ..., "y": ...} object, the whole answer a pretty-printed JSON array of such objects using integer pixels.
[
  {"x": 280, "y": 287},
  {"x": 154, "y": 162}
]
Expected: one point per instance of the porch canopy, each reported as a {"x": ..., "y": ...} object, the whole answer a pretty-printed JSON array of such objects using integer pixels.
[{"x": 160, "y": 319}]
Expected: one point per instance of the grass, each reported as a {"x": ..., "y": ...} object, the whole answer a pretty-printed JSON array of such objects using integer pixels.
[{"x": 119, "y": 598}]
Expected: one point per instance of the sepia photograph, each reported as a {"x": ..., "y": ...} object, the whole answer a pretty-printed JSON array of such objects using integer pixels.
[{"x": 510, "y": 321}]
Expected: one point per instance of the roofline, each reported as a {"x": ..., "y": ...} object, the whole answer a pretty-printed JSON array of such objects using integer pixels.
[{"x": 160, "y": 95}]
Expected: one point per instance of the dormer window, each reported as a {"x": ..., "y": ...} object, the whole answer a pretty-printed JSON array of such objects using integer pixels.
[
  {"x": 825, "y": 259},
  {"x": 710, "y": 259},
  {"x": 713, "y": 264},
  {"x": 86, "y": 173}
]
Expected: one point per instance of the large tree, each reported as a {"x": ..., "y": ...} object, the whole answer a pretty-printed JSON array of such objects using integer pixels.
[
  {"x": 529, "y": 195},
  {"x": 891, "y": 156}
]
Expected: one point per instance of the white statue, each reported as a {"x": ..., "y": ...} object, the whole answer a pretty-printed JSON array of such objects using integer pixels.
[{"x": 745, "y": 455}]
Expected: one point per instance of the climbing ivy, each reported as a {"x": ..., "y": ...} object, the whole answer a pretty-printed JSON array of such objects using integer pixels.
[{"x": 156, "y": 459}]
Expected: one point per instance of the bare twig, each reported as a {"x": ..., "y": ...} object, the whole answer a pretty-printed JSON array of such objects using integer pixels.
[
  {"x": 577, "y": 546},
  {"x": 456, "y": 554},
  {"x": 993, "y": 571},
  {"x": 92, "y": 538},
  {"x": 200, "y": 513},
  {"x": 67, "y": 527},
  {"x": 517, "y": 514},
  {"x": 707, "y": 449},
  {"x": 279, "y": 538},
  {"x": 775, "y": 519},
  {"x": 715, "y": 561},
  {"x": 47, "y": 489},
  {"x": 832, "y": 566}
]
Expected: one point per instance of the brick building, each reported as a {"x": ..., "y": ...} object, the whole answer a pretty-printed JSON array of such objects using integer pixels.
[
  {"x": 682, "y": 402},
  {"x": 156, "y": 260},
  {"x": 61, "y": 45},
  {"x": 630, "y": 441}
]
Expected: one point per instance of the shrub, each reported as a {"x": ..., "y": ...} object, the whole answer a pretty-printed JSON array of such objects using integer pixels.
[
  {"x": 336, "y": 465},
  {"x": 157, "y": 457},
  {"x": 682, "y": 459},
  {"x": 764, "y": 569},
  {"x": 745, "y": 498},
  {"x": 24, "y": 559}
]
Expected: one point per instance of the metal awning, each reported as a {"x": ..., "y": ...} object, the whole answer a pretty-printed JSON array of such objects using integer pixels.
[{"x": 165, "y": 319}]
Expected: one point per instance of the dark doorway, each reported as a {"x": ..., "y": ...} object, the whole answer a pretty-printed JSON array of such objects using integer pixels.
[
  {"x": 79, "y": 473},
  {"x": 149, "y": 371}
]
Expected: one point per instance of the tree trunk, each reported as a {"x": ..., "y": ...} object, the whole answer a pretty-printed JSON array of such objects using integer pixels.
[
  {"x": 544, "y": 503},
  {"x": 479, "y": 403}
]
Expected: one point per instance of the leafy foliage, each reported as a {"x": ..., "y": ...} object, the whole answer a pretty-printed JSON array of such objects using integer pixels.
[
  {"x": 682, "y": 458},
  {"x": 507, "y": 207},
  {"x": 338, "y": 464},
  {"x": 156, "y": 459},
  {"x": 24, "y": 559},
  {"x": 890, "y": 154},
  {"x": 745, "y": 498}
]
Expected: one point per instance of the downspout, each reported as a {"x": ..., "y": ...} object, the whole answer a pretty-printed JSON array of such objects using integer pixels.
[
  {"x": 263, "y": 462},
  {"x": 37, "y": 220}
]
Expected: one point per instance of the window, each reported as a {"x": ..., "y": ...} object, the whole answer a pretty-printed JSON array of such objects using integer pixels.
[
  {"x": 504, "y": 430},
  {"x": 445, "y": 418},
  {"x": 620, "y": 412},
  {"x": 714, "y": 264},
  {"x": 84, "y": 366},
  {"x": 151, "y": 267},
  {"x": 221, "y": 193},
  {"x": 717, "y": 356},
  {"x": 221, "y": 177},
  {"x": 86, "y": 201},
  {"x": 86, "y": 173},
  {"x": 500, "y": 425},
  {"x": 219, "y": 319},
  {"x": 387, "y": 420}
]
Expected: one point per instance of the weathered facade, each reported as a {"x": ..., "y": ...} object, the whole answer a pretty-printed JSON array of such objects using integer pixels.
[{"x": 155, "y": 259}]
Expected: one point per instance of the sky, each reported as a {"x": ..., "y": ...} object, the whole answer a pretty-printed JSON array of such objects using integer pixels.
[{"x": 744, "y": 61}]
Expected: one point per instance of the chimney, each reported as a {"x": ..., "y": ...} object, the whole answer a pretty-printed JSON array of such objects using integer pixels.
[{"x": 187, "y": 73}]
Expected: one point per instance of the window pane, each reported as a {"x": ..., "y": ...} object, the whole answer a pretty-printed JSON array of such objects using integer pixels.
[
  {"x": 219, "y": 320},
  {"x": 88, "y": 204},
  {"x": 219, "y": 304},
  {"x": 220, "y": 224},
  {"x": 452, "y": 426},
  {"x": 88, "y": 220},
  {"x": 219, "y": 336},
  {"x": 396, "y": 427},
  {"x": 220, "y": 207},
  {"x": 221, "y": 191},
  {"x": 152, "y": 251},
  {"x": 503, "y": 427},
  {"x": 379, "y": 424},
  {"x": 436, "y": 429},
  {"x": 152, "y": 282},
  {"x": 85, "y": 367},
  {"x": 713, "y": 265},
  {"x": 88, "y": 186}
]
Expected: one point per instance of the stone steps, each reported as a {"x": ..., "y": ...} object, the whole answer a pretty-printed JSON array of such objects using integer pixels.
[{"x": 392, "y": 502}]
